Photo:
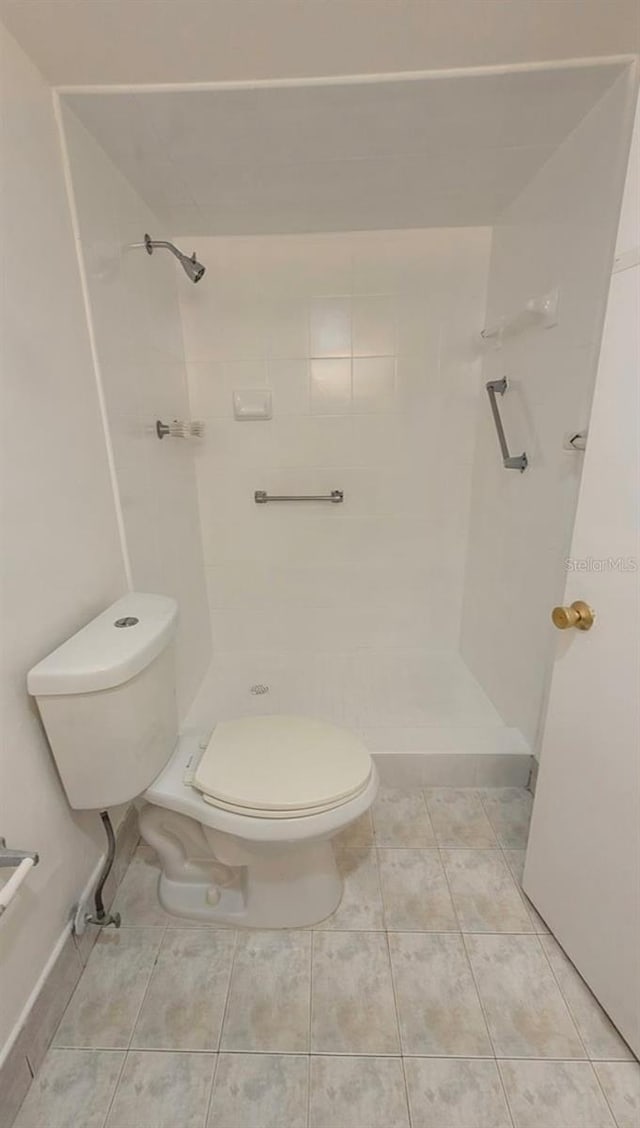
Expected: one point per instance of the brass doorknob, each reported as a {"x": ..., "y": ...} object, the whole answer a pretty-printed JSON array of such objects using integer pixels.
[{"x": 578, "y": 615}]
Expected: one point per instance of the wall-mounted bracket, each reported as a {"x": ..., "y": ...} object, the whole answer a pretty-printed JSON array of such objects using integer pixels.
[{"x": 537, "y": 313}]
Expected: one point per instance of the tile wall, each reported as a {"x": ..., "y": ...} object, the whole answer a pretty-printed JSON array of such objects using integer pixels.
[{"x": 366, "y": 341}]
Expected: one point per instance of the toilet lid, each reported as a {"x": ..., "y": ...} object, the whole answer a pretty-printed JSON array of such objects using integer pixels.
[{"x": 282, "y": 763}]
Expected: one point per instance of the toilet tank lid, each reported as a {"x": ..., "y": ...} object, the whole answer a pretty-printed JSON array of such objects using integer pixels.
[{"x": 104, "y": 654}]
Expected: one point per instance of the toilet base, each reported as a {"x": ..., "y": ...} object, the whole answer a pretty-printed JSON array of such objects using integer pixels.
[{"x": 211, "y": 876}]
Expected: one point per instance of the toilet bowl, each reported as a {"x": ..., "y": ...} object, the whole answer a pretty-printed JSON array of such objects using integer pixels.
[
  {"x": 270, "y": 865},
  {"x": 242, "y": 821}
]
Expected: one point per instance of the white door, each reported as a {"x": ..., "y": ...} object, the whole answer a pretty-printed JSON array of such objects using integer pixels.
[{"x": 583, "y": 861}]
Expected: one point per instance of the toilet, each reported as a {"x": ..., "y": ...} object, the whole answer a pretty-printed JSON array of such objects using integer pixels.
[{"x": 242, "y": 818}]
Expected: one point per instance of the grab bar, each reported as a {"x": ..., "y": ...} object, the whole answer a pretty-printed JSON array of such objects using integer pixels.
[
  {"x": 261, "y": 497},
  {"x": 510, "y": 462}
]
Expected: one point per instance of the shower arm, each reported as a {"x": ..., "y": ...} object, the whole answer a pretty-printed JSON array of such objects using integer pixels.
[{"x": 150, "y": 244}]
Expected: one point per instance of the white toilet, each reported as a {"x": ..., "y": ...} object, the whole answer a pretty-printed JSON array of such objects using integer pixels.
[{"x": 242, "y": 820}]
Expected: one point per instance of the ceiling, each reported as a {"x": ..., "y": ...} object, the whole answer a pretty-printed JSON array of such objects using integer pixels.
[
  {"x": 436, "y": 151},
  {"x": 179, "y": 41}
]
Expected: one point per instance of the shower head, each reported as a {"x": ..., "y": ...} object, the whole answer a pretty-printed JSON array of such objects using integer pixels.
[{"x": 192, "y": 268}]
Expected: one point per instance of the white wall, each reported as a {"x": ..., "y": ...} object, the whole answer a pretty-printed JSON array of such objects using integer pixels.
[
  {"x": 61, "y": 558},
  {"x": 365, "y": 340},
  {"x": 117, "y": 41},
  {"x": 136, "y": 321},
  {"x": 559, "y": 232}
]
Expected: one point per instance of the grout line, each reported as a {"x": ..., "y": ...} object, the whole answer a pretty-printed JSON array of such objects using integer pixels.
[
  {"x": 383, "y": 928},
  {"x": 604, "y": 1094},
  {"x": 563, "y": 997},
  {"x": 160, "y": 942},
  {"x": 450, "y": 891},
  {"x": 341, "y": 1053},
  {"x": 308, "y": 1119},
  {"x": 125, "y": 1054},
  {"x": 477, "y": 989},
  {"x": 486, "y": 1022},
  {"x": 396, "y": 1009},
  {"x": 218, "y": 1050},
  {"x": 311, "y": 961},
  {"x": 383, "y": 907},
  {"x": 214, "y": 1074},
  {"x": 225, "y": 1010},
  {"x": 504, "y": 1091}
]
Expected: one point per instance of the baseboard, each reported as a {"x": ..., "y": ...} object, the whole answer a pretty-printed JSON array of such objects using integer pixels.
[
  {"x": 453, "y": 769},
  {"x": 48, "y": 1000},
  {"x": 533, "y": 777}
]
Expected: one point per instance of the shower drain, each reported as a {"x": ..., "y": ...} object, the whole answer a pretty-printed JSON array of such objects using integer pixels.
[{"x": 258, "y": 690}]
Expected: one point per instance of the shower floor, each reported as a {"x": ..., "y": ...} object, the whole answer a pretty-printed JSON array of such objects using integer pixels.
[{"x": 422, "y": 714}]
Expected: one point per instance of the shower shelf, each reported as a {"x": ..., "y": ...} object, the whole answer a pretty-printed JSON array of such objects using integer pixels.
[{"x": 538, "y": 313}]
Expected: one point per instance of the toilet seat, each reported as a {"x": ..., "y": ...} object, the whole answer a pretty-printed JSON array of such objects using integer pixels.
[{"x": 281, "y": 767}]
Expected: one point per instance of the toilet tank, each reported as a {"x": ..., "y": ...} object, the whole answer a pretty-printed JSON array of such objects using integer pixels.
[{"x": 107, "y": 699}]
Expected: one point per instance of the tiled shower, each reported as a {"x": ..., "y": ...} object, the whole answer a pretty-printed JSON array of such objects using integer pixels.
[{"x": 403, "y": 611}]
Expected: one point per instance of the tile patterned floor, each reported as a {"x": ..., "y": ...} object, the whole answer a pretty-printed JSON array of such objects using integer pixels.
[{"x": 433, "y": 998}]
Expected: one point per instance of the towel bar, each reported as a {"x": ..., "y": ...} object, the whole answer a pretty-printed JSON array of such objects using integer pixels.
[{"x": 20, "y": 860}]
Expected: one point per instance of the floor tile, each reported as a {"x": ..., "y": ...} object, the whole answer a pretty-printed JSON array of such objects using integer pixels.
[
  {"x": 484, "y": 893},
  {"x": 554, "y": 1094},
  {"x": 268, "y": 1007},
  {"x": 400, "y": 819},
  {"x": 352, "y": 1008},
  {"x": 162, "y": 1090},
  {"x": 600, "y": 1037},
  {"x": 415, "y": 891},
  {"x": 137, "y": 896},
  {"x": 73, "y": 1087},
  {"x": 104, "y": 1006},
  {"x": 509, "y": 812},
  {"x": 185, "y": 1000},
  {"x": 351, "y": 1092},
  {"x": 438, "y": 1005},
  {"x": 458, "y": 817},
  {"x": 361, "y": 904},
  {"x": 259, "y": 1091},
  {"x": 526, "y": 1013},
  {"x": 515, "y": 861},
  {"x": 454, "y": 1093},
  {"x": 621, "y": 1083},
  {"x": 358, "y": 833}
]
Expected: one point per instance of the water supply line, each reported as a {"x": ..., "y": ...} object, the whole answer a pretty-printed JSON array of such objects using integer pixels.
[{"x": 101, "y": 918}]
